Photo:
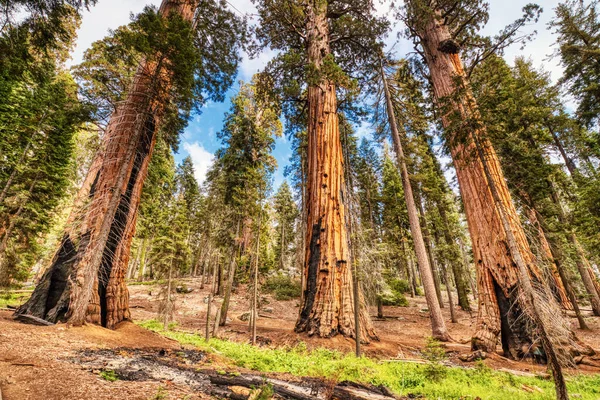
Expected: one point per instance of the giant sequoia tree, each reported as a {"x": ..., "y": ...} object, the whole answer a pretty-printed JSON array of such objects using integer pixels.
[
  {"x": 189, "y": 54},
  {"x": 322, "y": 42},
  {"x": 500, "y": 248}
]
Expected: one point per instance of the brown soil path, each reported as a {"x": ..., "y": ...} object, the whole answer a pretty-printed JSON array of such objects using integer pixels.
[{"x": 46, "y": 362}]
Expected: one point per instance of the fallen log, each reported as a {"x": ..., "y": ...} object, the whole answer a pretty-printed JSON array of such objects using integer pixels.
[
  {"x": 355, "y": 391},
  {"x": 288, "y": 390},
  {"x": 30, "y": 319},
  {"x": 255, "y": 381}
]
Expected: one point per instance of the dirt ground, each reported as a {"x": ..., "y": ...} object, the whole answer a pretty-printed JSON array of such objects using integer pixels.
[{"x": 62, "y": 362}]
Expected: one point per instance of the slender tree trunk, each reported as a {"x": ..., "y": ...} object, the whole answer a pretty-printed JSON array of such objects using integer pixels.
[
  {"x": 87, "y": 277},
  {"x": 438, "y": 325},
  {"x": 144, "y": 258},
  {"x": 231, "y": 277},
  {"x": 254, "y": 312},
  {"x": 457, "y": 265},
  {"x": 498, "y": 272},
  {"x": 556, "y": 257},
  {"x": 558, "y": 288},
  {"x": 137, "y": 262},
  {"x": 282, "y": 247},
  {"x": 167, "y": 313},
  {"x": 581, "y": 260},
  {"x": 379, "y": 303},
  {"x": 210, "y": 298},
  {"x": 430, "y": 256},
  {"x": 449, "y": 291},
  {"x": 220, "y": 280},
  {"x": 412, "y": 279},
  {"x": 328, "y": 306},
  {"x": 568, "y": 161},
  {"x": 466, "y": 266},
  {"x": 203, "y": 276}
]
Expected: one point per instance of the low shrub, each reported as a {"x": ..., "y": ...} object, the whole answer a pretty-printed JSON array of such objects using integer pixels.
[{"x": 283, "y": 287}]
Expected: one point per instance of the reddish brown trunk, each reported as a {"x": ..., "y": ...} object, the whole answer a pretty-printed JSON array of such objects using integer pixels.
[
  {"x": 328, "y": 306},
  {"x": 497, "y": 273},
  {"x": 86, "y": 280}
]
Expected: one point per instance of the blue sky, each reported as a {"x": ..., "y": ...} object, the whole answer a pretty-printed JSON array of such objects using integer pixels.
[{"x": 200, "y": 139}]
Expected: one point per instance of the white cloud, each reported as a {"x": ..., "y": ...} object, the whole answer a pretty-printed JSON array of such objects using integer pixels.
[
  {"x": 250, "y": 66},
  {"x": 105, "y": 15},
  {"x": 201, "y": 158}
]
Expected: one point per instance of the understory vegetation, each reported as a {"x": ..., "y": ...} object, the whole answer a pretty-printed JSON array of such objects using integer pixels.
[
  {"x": 403, "y": 378},
  {"x": 345, "y": 156}
]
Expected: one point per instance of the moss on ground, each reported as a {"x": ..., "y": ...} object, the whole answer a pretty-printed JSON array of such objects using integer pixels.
[{"x": 401, "y": 377}]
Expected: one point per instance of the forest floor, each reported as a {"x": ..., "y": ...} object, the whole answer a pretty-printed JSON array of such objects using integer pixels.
[{"x": 62, "y": 362}]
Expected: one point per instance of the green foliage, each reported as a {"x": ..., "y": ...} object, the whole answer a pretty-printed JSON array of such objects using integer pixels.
[
  {"x": 266, "y": 392},
  {"x": 109, "y": 375},
  {"x": 283, "y": 287},
  {"x": 40, "y": 116},
  {"x": 200, "y": 60},
  {"x": 577, "y": 26},
  {"x": 405, "y": 379},
  {"x": 13, "y": 299},
  {"x": 435, "y": 353},
  {"x": 161, "y": 394},
  {"x": 395, "y": 296},
  {"x": 286, "y": 214},
  {"x": 400, "y": 285}
]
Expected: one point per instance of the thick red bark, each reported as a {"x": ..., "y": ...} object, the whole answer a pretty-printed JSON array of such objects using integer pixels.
[
  {"x": 328, "y": 302},
  {"x": 500, "y": 313},
  {"x": 86, "y": 280}
]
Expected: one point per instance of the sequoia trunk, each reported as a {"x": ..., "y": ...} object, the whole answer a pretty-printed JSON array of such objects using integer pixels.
[
  {"x": 86, "y": 280},
  {"x": 500, "y": 313},
  {"x": 328, "y": 303}
]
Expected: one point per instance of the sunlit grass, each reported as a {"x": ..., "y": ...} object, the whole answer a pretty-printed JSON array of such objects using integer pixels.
[
  {"x": 13, "y": 299},
  {"x": 401, "y": 377}
]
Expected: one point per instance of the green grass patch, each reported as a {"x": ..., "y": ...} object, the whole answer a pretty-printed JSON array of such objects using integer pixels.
[
  {"x": 401, "y": 377},
  {"x": 109, "y": 375},
  {"x": 146, "y": 283},
  {"x": 13, "y": 299},
  {"x": 283, "y": 287}
]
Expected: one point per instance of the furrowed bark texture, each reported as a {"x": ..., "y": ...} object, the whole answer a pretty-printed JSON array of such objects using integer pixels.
[
  {"x": 500, "y": 313},
  {"x": 328, "y": 304},
  {"x": 86, "y": 280}
]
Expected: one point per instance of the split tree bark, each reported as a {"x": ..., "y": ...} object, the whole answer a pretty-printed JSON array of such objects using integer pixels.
[
  {"x": 86, "y": 280},
  {"x": 500, "y": 312},
  {"x": 328, "y": 305}
]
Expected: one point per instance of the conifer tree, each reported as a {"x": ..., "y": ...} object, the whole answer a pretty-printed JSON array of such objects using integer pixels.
[
  {"x": 286, "y": 214},
  {"x": 183, "y": 64},
  {"x": 40, "y": 116},
  {"x": 577, "y": 26},
  {"x": 321, "y": 43},
  {"x": 424, "y": 261},
  {"x": 244, "y": 166}
]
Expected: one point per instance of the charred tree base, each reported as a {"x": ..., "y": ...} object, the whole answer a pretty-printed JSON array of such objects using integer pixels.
[
  {"x": 50, "y": 300},
  {"x": 506, "y": 321},
  {"x": 325, "y": 327}
]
